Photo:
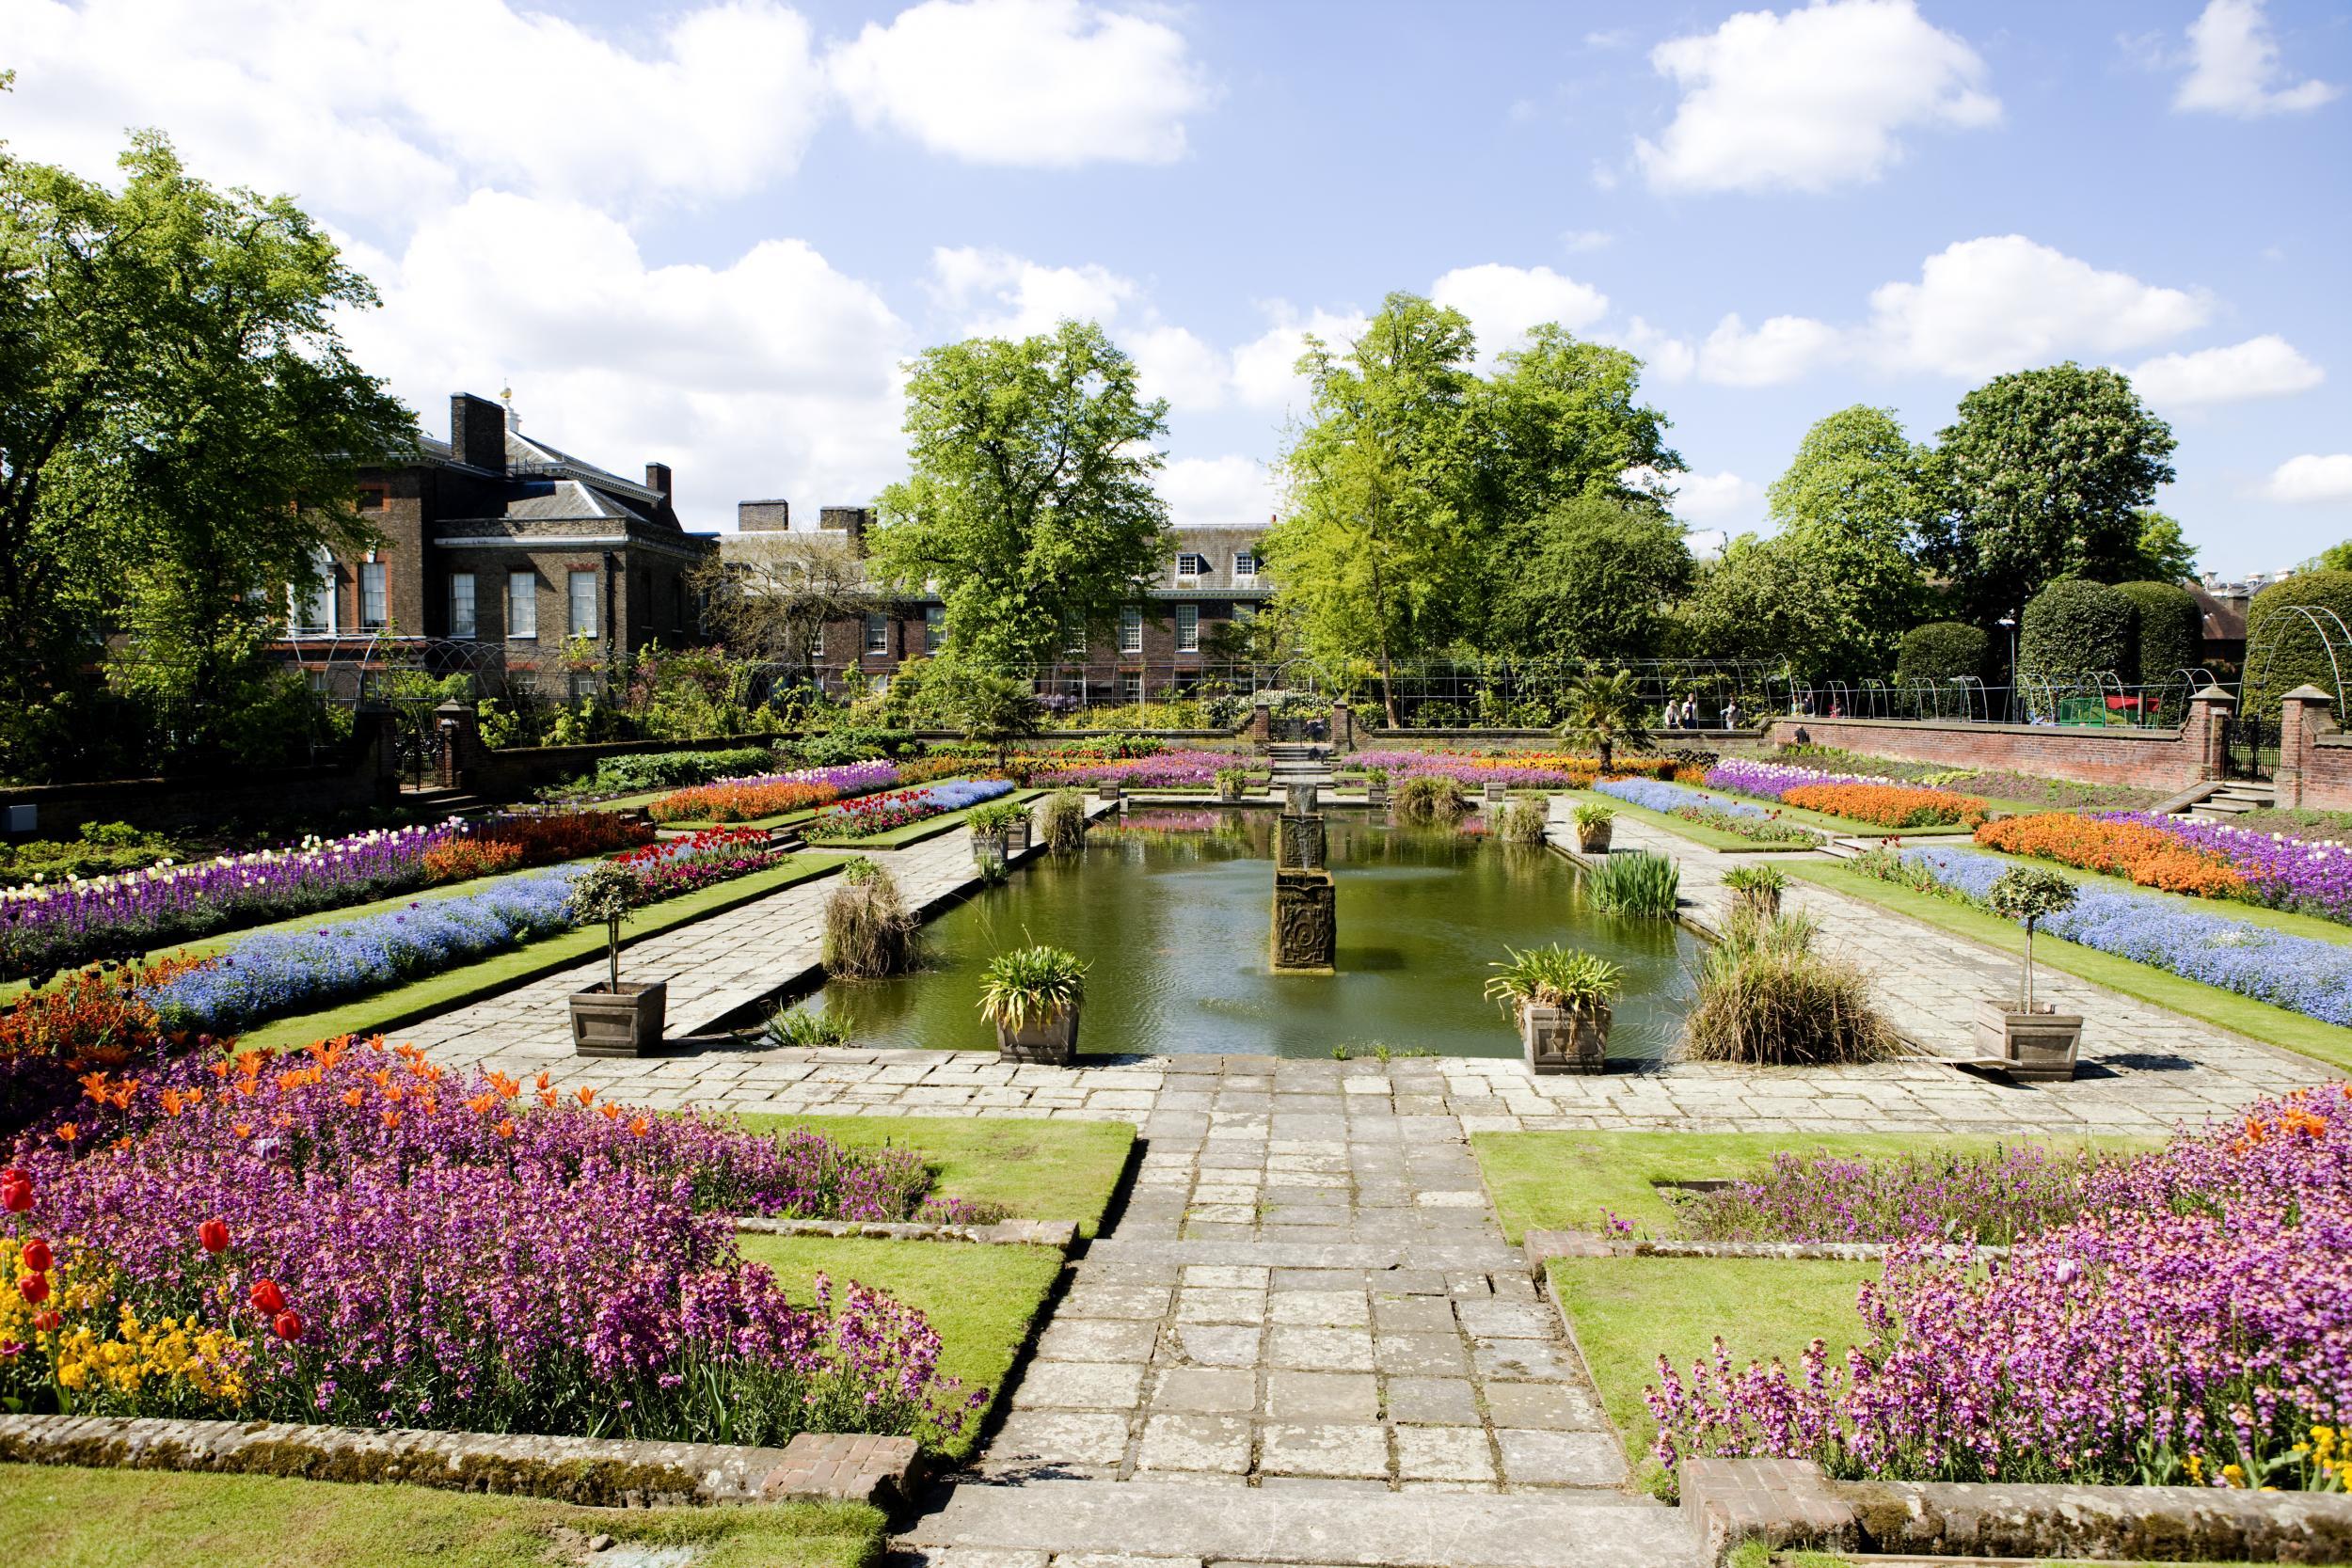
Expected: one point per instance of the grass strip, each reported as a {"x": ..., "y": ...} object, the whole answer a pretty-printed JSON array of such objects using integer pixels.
[
  {"x": 1698, "y": 833},
  {"x": 2257, "y": 1021},
  {"x": 982, "y": 1301},
  {"x": 1038, "y": 1169},
  {"x": 68, "y": 1517},
  {"x": 456, "y": 988}
]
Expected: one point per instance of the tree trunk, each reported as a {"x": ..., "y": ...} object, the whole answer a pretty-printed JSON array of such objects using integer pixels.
[{"x": 612, "y": 953}]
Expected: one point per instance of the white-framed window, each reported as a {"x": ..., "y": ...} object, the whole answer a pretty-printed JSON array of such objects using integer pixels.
[
  {"x": 522, "y": 604},
  {"x": 1244, "y": 564},
  {"x": 1074, "y": 633},
  {"x": 580, "y": 593},
  {"x": 877, "y": 632},
  {"x": 310, "y": 606},
  {"x": 1191, "y": 563},
  {"x": 461, "y": 621},
  {"x": 1131, "y": 687},
  {"x": 372, "y": 611},
  {"x": 934, "y": 626},
  {"x": 1131, "y": 630},
  {"x": 1187, "y": 628}
]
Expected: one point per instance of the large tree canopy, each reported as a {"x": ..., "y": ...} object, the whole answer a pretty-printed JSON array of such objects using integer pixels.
[
  {"x": 1592, "y": 579},
  {"x": 1855, "y": 472},
  {"x": 1561, "y": 418},
  {"x": 1030, "y": 505},
  {"x": 2044, "y": 476}
]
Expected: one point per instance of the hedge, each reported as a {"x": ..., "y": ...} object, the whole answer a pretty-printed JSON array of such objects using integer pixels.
[
  {"x": 2282, "y": 651},
  {"x": 1940, "y": 651},
  {"x": 2077, "y": 629}
]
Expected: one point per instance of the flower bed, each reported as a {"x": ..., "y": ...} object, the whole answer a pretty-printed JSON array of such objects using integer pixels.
[
  {"x": 1719, "y": 811},
  {"x": 771, "y": 794},
  {"x": 1992, "y": 1198},
  {"x": 854, "y": 821},
  {"x": 2301, "y": 974},
  {"x": 2121, "y": 847},
  {"x": 1166, "y": 771},
  {"x": 1859, "y": 800},
  {"x": 678, "y": 865},
  {"x": 2188, "y": 1325},
  {"x": 2284, "y": 873},
  {"x": 44, "y": 928},
  {"x": 1512, "y": 769},
  {"x": 355, "y": 1236}
]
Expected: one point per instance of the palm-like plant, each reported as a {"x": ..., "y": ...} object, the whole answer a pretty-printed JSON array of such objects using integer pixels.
[{"x": 1605, "y": 712}]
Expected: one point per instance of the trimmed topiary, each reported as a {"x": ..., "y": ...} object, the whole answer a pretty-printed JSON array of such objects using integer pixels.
[
  {"x": 1940, "y": 651},
  {"x": 2077, "y": 630},
  {"x": 2282, "y": 648},
  {"x": 2170, "y": 631}
]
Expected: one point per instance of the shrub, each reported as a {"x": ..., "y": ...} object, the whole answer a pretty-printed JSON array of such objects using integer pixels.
[
  {"x": 2167, "y": 632},
  {"x": 1029, "y": 985},
  {"x": 1756, "y": 884},
  {"x": 1766, "y": 999},
  {"x": 869, "y": 932},
  {"x": 2282, "y": 651},
  {"x": 1065, "y": 822},
  {"x": 666, "y": 770},
  {"x": 1639, "y": 884},
  {"x": 806, "y": 1027},
  {"x": 1592, "y": 814},
  {"x": 1430, "y": 798},
  {"x": 1524, "y": 821},
  {"x": 1554, "y": 977},
  {"x": 993, "y": 817},
  {"x": 851, "y": 744},
  {"x": 103, "y": 849},
  {"x": 1940, "y": 651},
  {"x": 2077, "y": 629}
]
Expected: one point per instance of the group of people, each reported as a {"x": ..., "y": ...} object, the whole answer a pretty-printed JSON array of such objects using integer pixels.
[{"x": 1684, "y": 715}]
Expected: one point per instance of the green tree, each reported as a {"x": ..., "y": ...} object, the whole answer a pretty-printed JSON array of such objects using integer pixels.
[
  {"x": 1593, "y": 577},
  {"x": 1376, "y": 553},
  {"x": 2044, "y": 475},
  {"x": 1030, "y": 502},
  {"x": 1856, "y": 474},
  {"x": 181, "y": 427},
  {"x": 1814, "y": 599},
  {"x": 2078, "y": 630},
  {"x": 1561, "y": 420},
  {"x": 2335, "y": 558},
  {"x": 1606, "y": 712},
  {"x": 2161, "y": 552},
  {"x": 989, "y": 708}
]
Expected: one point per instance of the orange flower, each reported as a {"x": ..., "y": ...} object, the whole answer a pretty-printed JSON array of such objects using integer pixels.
[
  {"x": 640, "y": 1126},
  {"x": 548, "y": 1098},
  {"x": 2149, "y": 856},
  {"x": 506, "y": 1128},
  {"x": 241, "y": 1129},
  {"x": 1888, "y": 806},
  {"x": 67, "y": 1133},
  {"x": 481, "y": 1105},
  {"x": 609, "y": 1111},
  {"x": 352, "y": 1098},
  {"x": 587, "y": 1095},
  {"x": 390, "y": 1118}
]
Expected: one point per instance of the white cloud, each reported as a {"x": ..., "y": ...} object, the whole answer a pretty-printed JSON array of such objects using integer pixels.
[
  {"x": 773, "y": 375},
  {"x": 1721, "y": 501},
  {"x": 391, "y": 111},
  {"x": 997, "y": 294},
  {"x": 2264, "y": 367},
  {"x": 1033, "y": 82},
  {"x": 2312, "y": 478},
  {"x": 1218, "y": 491},
  {"x": 1810, "y": 100},
  {"x": 1580, "y": 240},
  {"x": 2235, "y": 66},
  {"x": 1664, "y": 356},
  {"x": 1265, "y": 374},
  {"x": 1504, "y": 302},
  {"x": 1998, "y": 304},
  {"x": 1783, "y": 349},
  {"x": 1173, "y": 362}
]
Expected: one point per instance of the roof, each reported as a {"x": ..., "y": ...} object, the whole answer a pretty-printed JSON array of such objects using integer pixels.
[{"x": 2224, "y": 619}]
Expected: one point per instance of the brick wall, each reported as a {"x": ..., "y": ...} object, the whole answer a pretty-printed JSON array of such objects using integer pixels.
[
  {"x": 1102, "y": 665},
  {"x": 2164, "y": 760},
  {"x": 2315, "y": 754}
]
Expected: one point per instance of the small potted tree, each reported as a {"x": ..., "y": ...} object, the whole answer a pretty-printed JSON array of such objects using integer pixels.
[
  {"x": 1031, "y": 994},
  {"x": 613, "y": 1019},
  {"x": 1375, "y": 786},
  {"x": 1562, "y": 997},
  {"x": 1231, "y": 781},
  {"x": 2034, "y": 1040},
  {"x": 1758, "y": 887},
  {"x": 1595, "y": 824}
]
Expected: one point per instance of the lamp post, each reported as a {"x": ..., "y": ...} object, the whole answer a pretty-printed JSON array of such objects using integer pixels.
[{"x": 2008, "y": 709}]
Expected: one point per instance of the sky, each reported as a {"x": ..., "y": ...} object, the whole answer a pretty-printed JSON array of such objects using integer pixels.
[{"x": 710, "y": 234}]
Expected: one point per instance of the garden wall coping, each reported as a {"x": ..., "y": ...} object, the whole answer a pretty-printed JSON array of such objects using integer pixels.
[
  {"x": 1543, "y": 1246},
  {"x": 1061, "y": 1235},
  {"x": 593, "y": 1471},
  {"x": 1792, "y": 1503}
]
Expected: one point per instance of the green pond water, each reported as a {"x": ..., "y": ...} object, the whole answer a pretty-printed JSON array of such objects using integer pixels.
[{"x": 1172, "y": 910}]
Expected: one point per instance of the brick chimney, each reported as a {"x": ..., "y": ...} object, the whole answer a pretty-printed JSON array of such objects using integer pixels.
[
  {"x": 763, "y": 517},
  {"x": 477, "y": 431},
  {"x": 658, "y": 478},
  {"x": 852, "y": 520}
]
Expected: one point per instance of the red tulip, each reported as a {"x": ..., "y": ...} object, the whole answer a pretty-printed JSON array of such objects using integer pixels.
[
  {"x": 37, "y": 1256},
  {"x": 214, "y": 1234},
  {"x": 48, "y": 1319},
  {"x": 34, "y": 1288},
  {"x": 14, "y": 1173},
  {"x": 287, "y": 1325},
  {"x": 267, "y": 1297},
  {"x": 16, "y": 1196}
]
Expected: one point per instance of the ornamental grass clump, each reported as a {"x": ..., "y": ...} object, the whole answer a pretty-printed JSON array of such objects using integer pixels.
[
  {"x": 353, "y": 1235},
  {"x": 1524, "y": 821},
  {"x": 1767, "y": 999},
  {"x": 1640, "y": 884},
  {"x": 1554, "y": 976},
  {"x": 869, "y": 932},
  {"x": 1430, "y": 798},
  {"x": 1757, "y": 887},
  {"x": 1030, "y": 984},
  {"x": 1065, "y": 822}
]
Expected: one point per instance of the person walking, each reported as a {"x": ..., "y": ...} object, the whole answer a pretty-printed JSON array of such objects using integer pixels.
[
  {"x": 1731, "y": 713},
  {"x": 1690, "y": 714}
]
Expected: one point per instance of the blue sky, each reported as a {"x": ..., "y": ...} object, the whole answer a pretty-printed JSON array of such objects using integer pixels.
[{"x": 708, "y": 234}]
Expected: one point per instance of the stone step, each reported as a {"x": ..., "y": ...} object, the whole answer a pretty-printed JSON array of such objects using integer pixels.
[
  {"x": 1839, "y": 849},
  {"x": 1307, "y": 1526}
]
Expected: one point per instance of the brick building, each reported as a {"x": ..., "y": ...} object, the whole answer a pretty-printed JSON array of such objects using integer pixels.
[
  {"x": 494, "y": 537},
  {"x": 1177, "y": 632}
]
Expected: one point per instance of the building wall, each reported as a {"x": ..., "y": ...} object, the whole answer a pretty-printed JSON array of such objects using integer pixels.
[
  {"x": 1102, "y": 665},
  {"x": 2167, "y": 760}
]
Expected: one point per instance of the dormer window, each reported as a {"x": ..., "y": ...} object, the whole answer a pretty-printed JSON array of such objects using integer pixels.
[
  {"x": 1190, "y": 564},
  {"x": 1244, "y": 564}
]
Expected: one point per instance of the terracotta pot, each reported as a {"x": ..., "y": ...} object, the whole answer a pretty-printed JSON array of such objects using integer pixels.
[
  {"x": 1053, "y": 1039},
  {"x": 1560, "y": 1039},
  {"x": 626, "y": 1024},
  {"x": 2038, "y": 1047}
]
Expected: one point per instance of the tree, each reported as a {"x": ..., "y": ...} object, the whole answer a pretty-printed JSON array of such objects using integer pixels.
[
  {"x": 2044, "y": 476},
  {"x": 989, "y": 708},
  {"x": 1856, "y": 474},
  {"x": 180, "y": 428},
  {"x": 1593, "y": 578},
  {"x": 2167, "y": 631},
  {"x": 1030, "y": 503},
  {"x": 2077, "y": 630},
  {"x": 2335, "y": 558},
  {"x": 1560, "y": 420},
  {"x": 770, "y": 594},
  {"x": 2163, "y": 552},
  {"x": 1375, "y": 552},
  {"x": 2291, "y": 640},
  {"x": 1606, "y": 712},
  {"x": 1813, "y": 599},
  {"x": 1935, "y": 651}
]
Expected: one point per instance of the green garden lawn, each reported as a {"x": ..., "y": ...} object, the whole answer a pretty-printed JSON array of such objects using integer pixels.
[
  {"x": 75, "y": 1518},
  {"x": 1038, "y": 1169},
  {"x": 983, "y": 1299}
]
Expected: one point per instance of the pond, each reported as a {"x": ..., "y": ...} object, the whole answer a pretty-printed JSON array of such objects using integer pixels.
[{"x": 1171, "y": 908}]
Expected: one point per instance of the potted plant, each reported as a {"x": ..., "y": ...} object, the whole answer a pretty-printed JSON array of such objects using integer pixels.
[
  {"x": 1561, "y": 996},
  {"x": 2034, "y": 1040},
  {"x": 1231, "y": 781},
  {"x": 1375, "y": 786},
  {"x": 613, "y": 1019},
  {"x": 1108, "y": 789},
  {"x": 1595, "y": 823},
  {"x": 1031, "y": 994},
  {"x": 1497, "y": 792},
  {"x": 1758, "y": 887},
  {"x": 990, "y": 825}
]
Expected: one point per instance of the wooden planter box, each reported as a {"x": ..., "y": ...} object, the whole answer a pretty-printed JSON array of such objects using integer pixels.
[
  {"x": 1106, "y": 791},
  {"x": 1558, "y": 1040},
  {"x": 988, "y": 848},
  {"x": 1497, "y": 792},
  {"x": 1593, "y": 838},
  {"x": 1376, "y": 792},
  {"x": 2039, "y": 1046},
  {"x": 1052, "y": 1040},
  {"x": 1018, "y": 837},
  {"x": 1229, "y": 792},
  {"x": 626, "y": 1024}
]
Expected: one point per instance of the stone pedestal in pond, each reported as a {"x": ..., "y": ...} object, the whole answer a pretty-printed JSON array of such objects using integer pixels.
[
  {"x": 1306, "y": 920},
  {"x": 1300, "y": 843}
]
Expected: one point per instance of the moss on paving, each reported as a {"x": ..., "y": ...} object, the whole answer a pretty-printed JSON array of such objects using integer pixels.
[
  {"x": 63, "y": 1517},
  {"x": 2258, "y": 1020},
  {"x": 983, "y": 1299},
  {"x": 1037, "y": 1169}
]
